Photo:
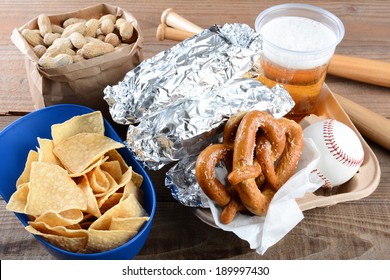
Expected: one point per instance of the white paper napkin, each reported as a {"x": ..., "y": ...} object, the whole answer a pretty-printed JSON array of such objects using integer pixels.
[{"x": 283, "y": 213}]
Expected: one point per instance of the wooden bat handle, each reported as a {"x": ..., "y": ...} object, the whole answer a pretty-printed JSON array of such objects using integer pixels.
[
  {"x": 172, "y": 19},
  {"x": 360, "y": 69},
  {"x": 165, "y": 32},
  {"x": 370, "y": 125}
]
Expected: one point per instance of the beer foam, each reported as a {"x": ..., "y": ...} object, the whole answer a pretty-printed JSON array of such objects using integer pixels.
[{"x": 298, "y": 34}]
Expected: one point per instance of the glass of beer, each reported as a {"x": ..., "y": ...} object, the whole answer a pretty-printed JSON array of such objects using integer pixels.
[{"x": 298, "y": 42}]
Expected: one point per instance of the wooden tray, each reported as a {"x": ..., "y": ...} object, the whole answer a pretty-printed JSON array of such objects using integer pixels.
[{"x": 364, "y": 182}]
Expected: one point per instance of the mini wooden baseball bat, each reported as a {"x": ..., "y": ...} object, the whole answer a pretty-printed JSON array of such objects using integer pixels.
[
  {"x": 166, "y": 32},
  {"x": 370, "y": 124},
  {"x": 171, "y": 18},
  {"x": 369, "y": 71}
]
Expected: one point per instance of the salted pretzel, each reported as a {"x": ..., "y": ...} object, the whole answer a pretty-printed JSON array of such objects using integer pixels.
[
  {"x": 289, "y": 159},
  {"x": 253, "y": 179},
  {"x": 267, "y": 158},
  {"x": 204, "y": 172},
  {"x": 230, "y": 129},
  {"x": 225, "y": 197},
  {"x": 235, "y": 205},
  {"x": 229, "y": 135},
  {"x": 230, "y": 210},
  {"x": 243, "y": 157}
]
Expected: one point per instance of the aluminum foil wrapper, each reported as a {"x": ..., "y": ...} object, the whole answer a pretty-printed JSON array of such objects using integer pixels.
[
  {"x": 243, "y": 95},
  {"x": 181, "y": 180},
  {"x": 195, "y": 66},
  {"x": 176, "y": 102}
]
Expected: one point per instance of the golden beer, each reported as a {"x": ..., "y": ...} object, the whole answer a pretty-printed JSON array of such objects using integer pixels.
[
  {"x": 298, "y": 43},
  {"x": 304, "y": 85}
]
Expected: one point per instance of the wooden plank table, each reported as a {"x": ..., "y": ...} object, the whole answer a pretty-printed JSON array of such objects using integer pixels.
[{"x": 351, "y": 230}]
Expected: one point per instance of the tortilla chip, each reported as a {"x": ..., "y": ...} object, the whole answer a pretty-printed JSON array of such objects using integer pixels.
[
  {"x": 81, "y": 150},
  {"x": 137, "y": 179},
  {"x": 104, "y": 240},
  {"x": 45, "y": 152},
  {"x": 51, "y": 189},
  {"x": 126, "y": 177},
  {"x": 102, "y": 197},
  {"x": 114, "y": 155},
  {"x": 65, "y": 218},
  {"x": 92, "y": 205},
  {"x": 91, "y": 123},
  {"x": 110, "y": 202},
  {"x": 131, "y": 224},
  {"x": 131, "y": 188},
  {"x": 130, "y": 207},
  {"x": 75, "y": 242},
  {"x": 57, "y": 230},
  {"x": 25, "y": 176},
  {"x": 113, "y": 168},
  {"x": 18, "y": 200},
  {"x": 98, "y": 162},
  {"x": 98, "y": 180}
]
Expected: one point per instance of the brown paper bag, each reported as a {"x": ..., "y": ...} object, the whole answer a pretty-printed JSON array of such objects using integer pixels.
[{"x": 82, "y": 82}]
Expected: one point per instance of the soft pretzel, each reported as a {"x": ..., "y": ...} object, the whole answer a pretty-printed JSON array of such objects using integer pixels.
[
  {"x": 230, "y": 129},
  {"x": 204, "y": 172},
  {"x": 261, "y": 154},
  {"x": 292, "y": 152},
  {"x": 252, "y": 198},
  {"x": 267, "y": 158},
  {"x": 240, "y": 174},
  {"x": 288, "y": 161},
  {"x": 224, "y": 196},
  {"x": 230, "y": 210}
]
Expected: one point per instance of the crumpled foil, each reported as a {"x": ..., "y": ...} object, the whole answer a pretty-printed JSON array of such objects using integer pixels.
[
  {"x": 176, "y": 102},
  {"x": 181, "y": 180},
  {"x": 192, "y": 67},
  {"x": 181, "y": 177}
]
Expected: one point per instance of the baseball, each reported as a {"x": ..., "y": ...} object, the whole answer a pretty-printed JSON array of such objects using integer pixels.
[{"x": 341, "y": 153}]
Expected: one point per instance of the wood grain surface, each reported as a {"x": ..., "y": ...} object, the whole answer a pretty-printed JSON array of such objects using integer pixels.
[{"x": 352, "y": 230}]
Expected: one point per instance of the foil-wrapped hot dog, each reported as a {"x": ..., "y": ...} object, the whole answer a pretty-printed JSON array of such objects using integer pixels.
[{"x": 176, "y": 102}]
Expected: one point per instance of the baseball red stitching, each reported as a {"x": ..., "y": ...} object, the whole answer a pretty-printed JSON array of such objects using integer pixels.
[
  {"x": 334, "y": 148},
  {"x": 322, "y": 177}
]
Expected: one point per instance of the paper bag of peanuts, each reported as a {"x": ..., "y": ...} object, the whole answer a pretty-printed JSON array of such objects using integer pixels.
[{"x": 72, "y": 57}]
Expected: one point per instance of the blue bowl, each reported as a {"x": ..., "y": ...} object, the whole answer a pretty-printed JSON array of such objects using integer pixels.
[{"x": 17, "y": 139}]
